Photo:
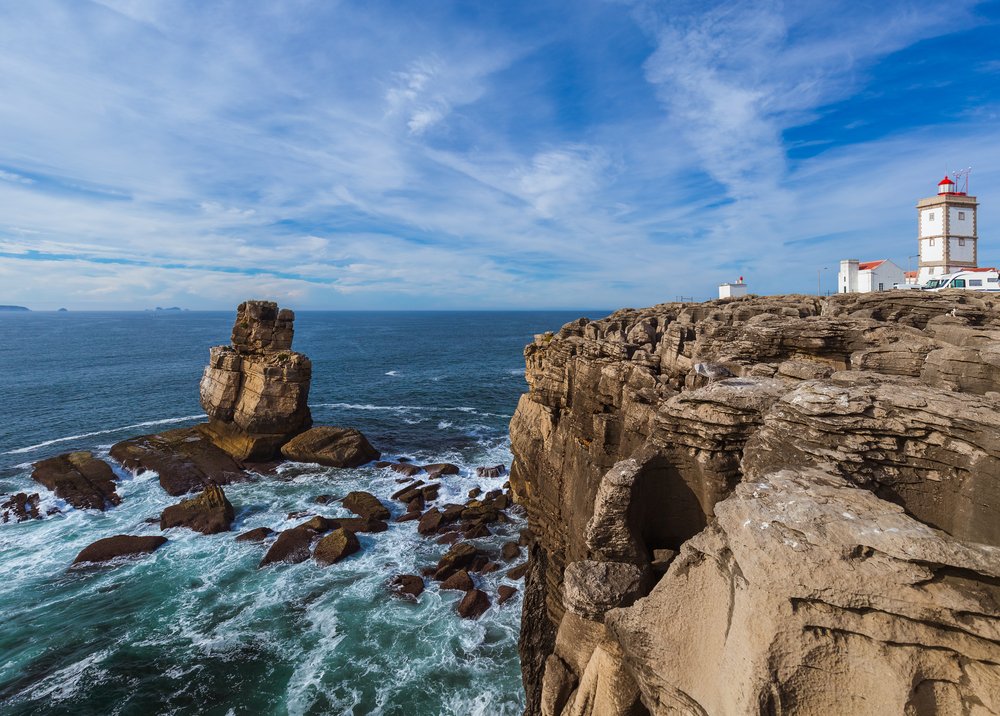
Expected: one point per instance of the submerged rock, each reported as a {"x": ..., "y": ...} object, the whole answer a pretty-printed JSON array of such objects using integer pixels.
[
  {"x": 20, "y": 507},
  {"x": 79, "y": 478},
  {"x": 208, "y": 513},
  {"x": 185, "y": 459},
  {"x": 336, "y": 546},
  {"x": 331, "y": 446},
  {"x": 494, "y": 471},
  {"x": 104, "y": 550}
]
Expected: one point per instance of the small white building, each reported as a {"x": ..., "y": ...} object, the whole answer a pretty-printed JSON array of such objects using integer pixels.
[
  {"x": 733, "y": 289},
  {"x": 866, "y": 276}
]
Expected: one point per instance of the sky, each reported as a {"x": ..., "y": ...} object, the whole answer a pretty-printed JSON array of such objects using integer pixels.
[{"x": 478, "y": 155}]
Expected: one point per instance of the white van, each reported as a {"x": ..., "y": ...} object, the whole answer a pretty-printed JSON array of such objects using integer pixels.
[{"x": 969, "y": 280}]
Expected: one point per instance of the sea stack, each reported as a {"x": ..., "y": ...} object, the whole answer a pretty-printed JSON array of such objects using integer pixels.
[{"x": 255, "y": 391}]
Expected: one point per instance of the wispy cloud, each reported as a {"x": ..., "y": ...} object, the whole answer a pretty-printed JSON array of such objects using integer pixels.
[{"x": 334, "y": 154}]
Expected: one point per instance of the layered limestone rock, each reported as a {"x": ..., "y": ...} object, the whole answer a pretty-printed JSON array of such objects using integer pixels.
[
  {"x": 255, "y": 391},
  {"x": 834, "y": 507}
]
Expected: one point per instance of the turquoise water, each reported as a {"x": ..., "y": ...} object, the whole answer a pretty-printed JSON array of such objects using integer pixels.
[{"x": 196, "y": 627}]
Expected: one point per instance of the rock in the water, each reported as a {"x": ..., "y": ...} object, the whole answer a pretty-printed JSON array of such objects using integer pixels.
[
  {"x": 409, "y": 516},
  {"x": 208, "y": 513},
  {"x": 79, "y": 478},
  {"x": 185, "y": 460},
  {"x": 20, "y": 507},
  {"x": 331, "y": 446},
  {"x": 460, "y": 556},
  {"x": 510, "y": 551},
  {"x": 366, "y": 505},
  {"x": 258, "y": 534},
  {"x": 474, "y": 604},
  {"x": 256, "y": 391},
  {"x": 518, "y": 572},
  {"x": 494, "y": 471},
  {"x": 336, "y": 546},
  {"x": 359, "y": 524},
  {"x": 406, "y": 469},
  {"x": 475, "y": 492},
  {"x": 438, "y": 469},
  {"x": 459, "y": 581},
  {"x": 407, "y": 585},
  {"x": 291, "y": 546},
  {"x": 430, "y": 521},
  {"x": 104, "y": 550},
  {"x": 505, "y": 593}
]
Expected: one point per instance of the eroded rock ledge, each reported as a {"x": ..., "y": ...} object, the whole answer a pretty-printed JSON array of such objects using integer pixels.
[{"x": 834, "y": 507}]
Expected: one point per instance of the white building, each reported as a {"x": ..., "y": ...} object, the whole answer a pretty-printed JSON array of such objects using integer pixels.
[
  {"x": 733, "y": 289},
  {"x": 867, "y": 276},
  {"x": 947, "y": 232}
]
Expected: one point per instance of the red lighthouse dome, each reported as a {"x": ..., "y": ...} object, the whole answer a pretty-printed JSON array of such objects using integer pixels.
[{"x": 946, "y": 186}]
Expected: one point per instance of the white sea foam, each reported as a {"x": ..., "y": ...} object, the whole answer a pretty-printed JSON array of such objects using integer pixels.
[
  {"x": 81, "y": 436},
  {"x": 392, "y": 372},
  {"x": 408, "y": 408}
]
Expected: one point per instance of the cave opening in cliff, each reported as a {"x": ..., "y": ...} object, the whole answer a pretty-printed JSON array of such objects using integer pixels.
[{"x": 666, "y": 511}]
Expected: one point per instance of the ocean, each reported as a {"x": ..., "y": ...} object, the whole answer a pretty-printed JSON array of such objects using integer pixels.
[{"x": 196, "y": 627}]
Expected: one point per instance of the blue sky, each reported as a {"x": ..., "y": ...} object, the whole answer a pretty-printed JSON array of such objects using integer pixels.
[{"x": 478, "y": 154}]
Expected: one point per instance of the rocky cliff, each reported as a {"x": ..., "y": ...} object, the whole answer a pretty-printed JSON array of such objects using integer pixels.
[{"x": 780, "y": 505}]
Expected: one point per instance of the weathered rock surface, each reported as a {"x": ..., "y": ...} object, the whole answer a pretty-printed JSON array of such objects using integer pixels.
[
  {"x": 210, "y": 512},
  {"x": 81, "y": 479},
  {"x": 331, "y": 446},
  {"x": 185, "y": 459},
  {"x": 336, "y": 546},
  {"x": 258, "y": 534},
  {"x": 819, "y": 533},
  {"x": 104, "y": 550},
  {"x": 20, "y": 507},
  {"x": 460, "y": 581},
  {"x": 407, "y": 585},
  {"x": 293, "y": 546},
  {"x": 256, "y": 391},
  {"x": 474, "y": 604},
  {"x": 366, "y": 505}
]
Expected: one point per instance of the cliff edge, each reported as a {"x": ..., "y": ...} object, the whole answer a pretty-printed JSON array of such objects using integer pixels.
[{"x": 773, "y": 505}]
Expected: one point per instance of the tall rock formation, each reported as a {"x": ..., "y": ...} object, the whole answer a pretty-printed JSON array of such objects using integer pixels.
[
  {"x": 834, "y": 508},
  {"x": 255, "y": 392}
]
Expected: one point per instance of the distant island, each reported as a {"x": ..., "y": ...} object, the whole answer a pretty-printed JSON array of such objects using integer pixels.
[
  {"x": 62, "y": 310},
  {"x": 172, "y": 308},
  {"x": 14, "y": 308}
]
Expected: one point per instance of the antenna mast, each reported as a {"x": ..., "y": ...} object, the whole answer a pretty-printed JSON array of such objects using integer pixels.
[{"x": 962, "y": 180}]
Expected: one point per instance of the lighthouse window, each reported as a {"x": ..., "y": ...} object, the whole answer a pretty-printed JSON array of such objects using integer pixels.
[
  {"x": 930, "y": 216},
  {"x": 961, "y": 242},
  {"x": 961, "y": 216},
  {"x": 931, "y": 243}
]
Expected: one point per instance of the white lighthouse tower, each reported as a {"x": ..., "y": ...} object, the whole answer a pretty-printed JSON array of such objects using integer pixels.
[{"x": 947, "y": 229}]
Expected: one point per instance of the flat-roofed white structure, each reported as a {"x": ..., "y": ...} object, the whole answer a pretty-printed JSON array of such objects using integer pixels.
[{"x": 732, "y": 290}]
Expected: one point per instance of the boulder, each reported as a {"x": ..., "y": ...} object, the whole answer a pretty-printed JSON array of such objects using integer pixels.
[
  {"x": 336, "y": 546},
  {"x": 359, "y": 524},
  {"x": 407, "y": 585},
  {"x": 20, "y": 507},
  {"x": 185, "y": 460},
  {"x": 505, "y": 593},
  {"x": 330, "y": 446},
  {"x": 430, "y": 521},
  {"x": 409, "y": 516},
  {"x": 518, "y": 572},
  {"x": 459, "y": 581},
  {"x": 475, "y": 492},
  {"x": 510, "y": 551},
  {"x": 438, "y": 469},
  {"x": 366, "y": 505},
  {"x": 474, "y": 604},
  {"x": 258, "y": 534},
  {"x": 208, "y": 513},
  {"x": 460, "y": 556},
  {"x": 79, "y": 478},
  {"x": 104, "y": 550},
  {"x": 491, "y": 471},
  {"x": 293, "y": 546},
  {"x": 406, "y": 469},
  {"x": 404, "y": 493}
]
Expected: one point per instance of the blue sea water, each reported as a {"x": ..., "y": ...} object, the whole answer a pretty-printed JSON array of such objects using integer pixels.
[{"x": 196, "y": 627}]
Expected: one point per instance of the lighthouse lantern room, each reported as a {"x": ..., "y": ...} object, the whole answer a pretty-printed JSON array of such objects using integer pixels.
[{"x": 947, "y": 229}]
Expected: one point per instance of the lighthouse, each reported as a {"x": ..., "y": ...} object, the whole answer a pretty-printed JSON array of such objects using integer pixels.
[{"x": 947, "y": 229}]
